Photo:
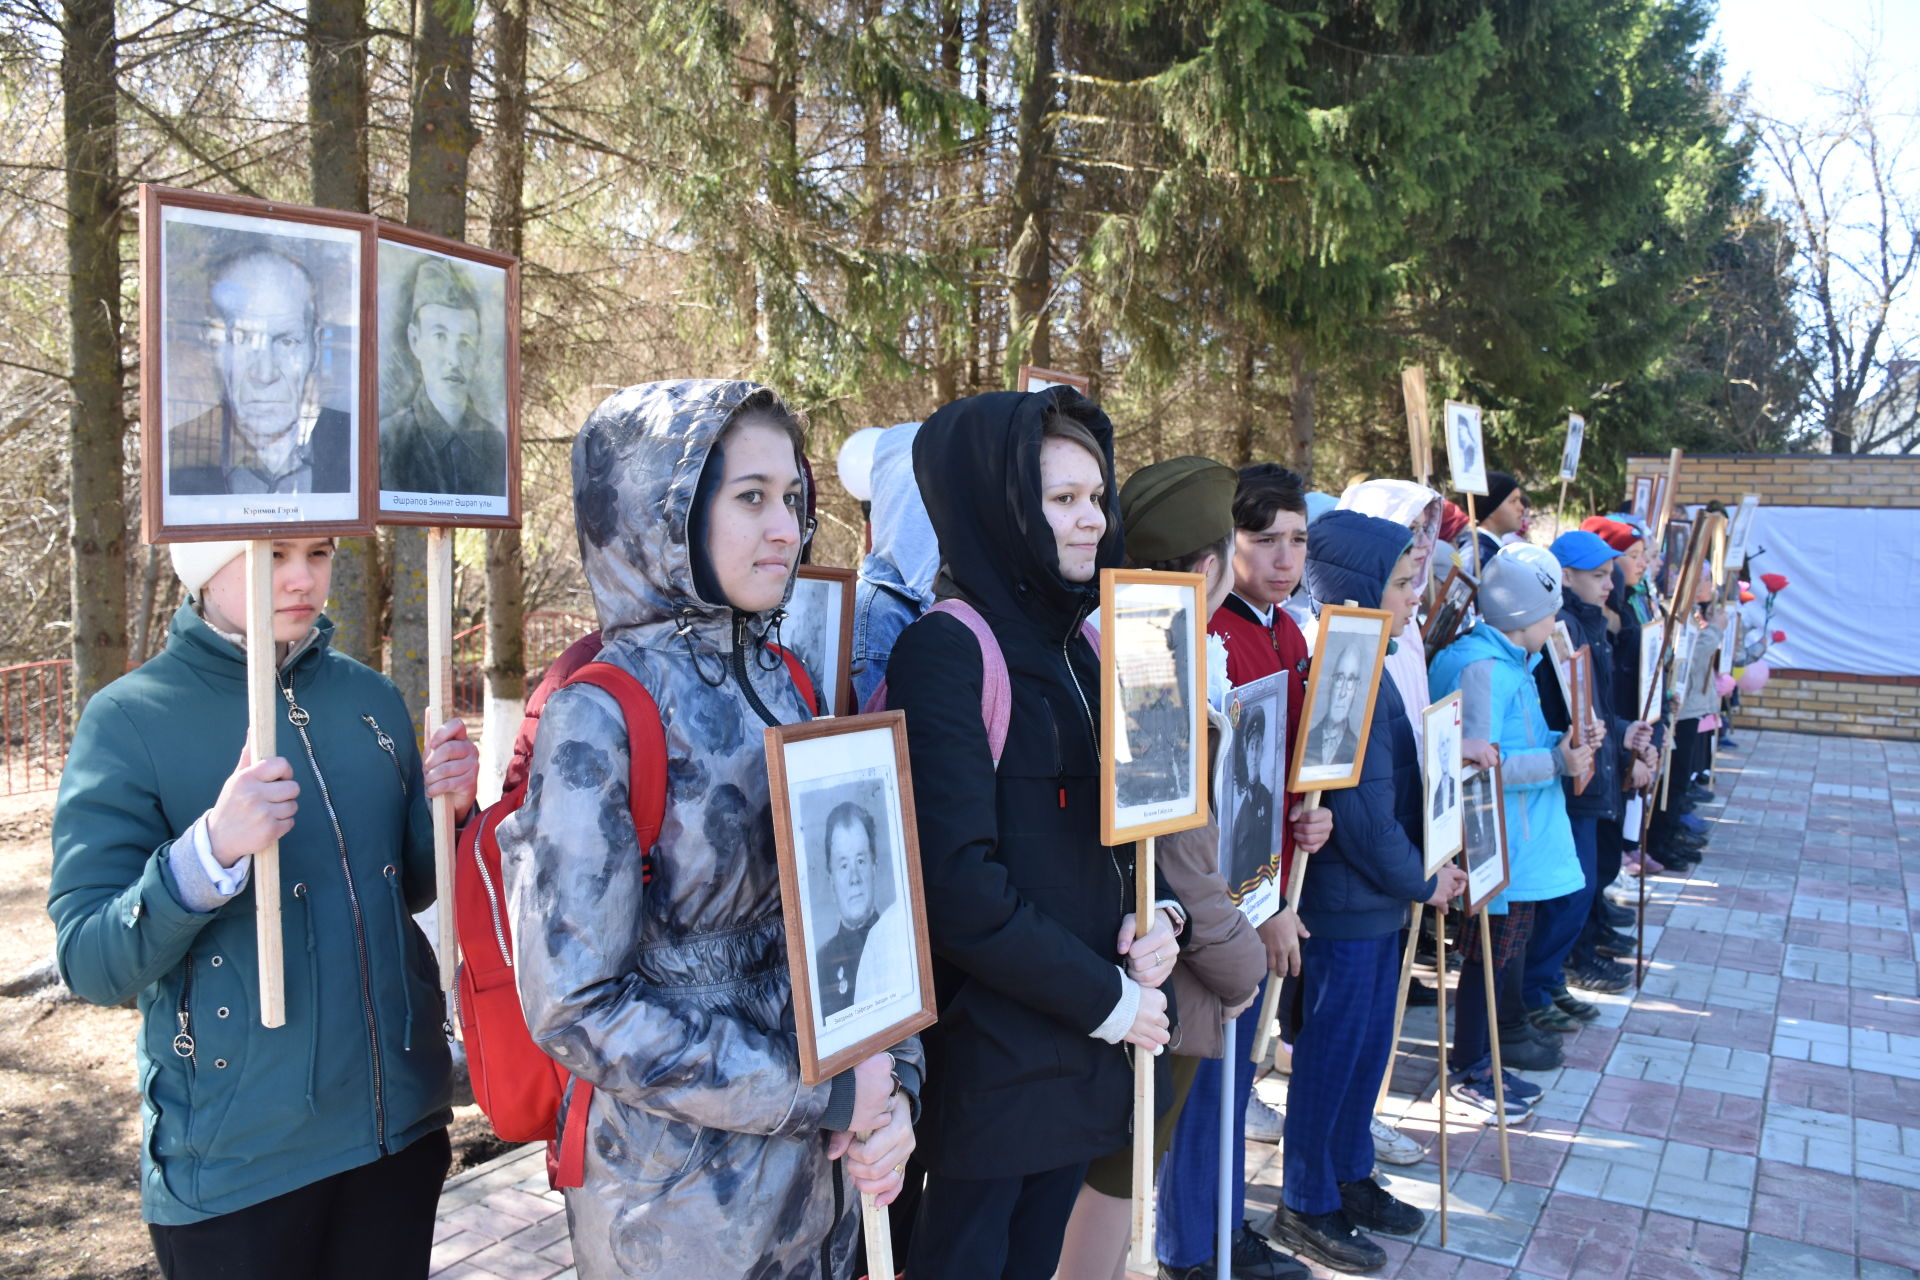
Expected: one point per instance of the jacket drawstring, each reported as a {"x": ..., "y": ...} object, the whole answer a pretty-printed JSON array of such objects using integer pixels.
[
  {"x": 392, "y": 874},
  {"x": 305, "y": 899}
]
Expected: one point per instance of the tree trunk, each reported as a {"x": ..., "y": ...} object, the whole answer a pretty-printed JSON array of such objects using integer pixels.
[
  {"x": 1300, "y": 404},
  {"x": 96, "y": 419},
  {"x": 337, "y": 176},
  {"x": 506, "y": 574},
  {"x": 1246, "y": 418},
  {"x": 1029, "y": 258},
  {"x": 437, "y": 143}
]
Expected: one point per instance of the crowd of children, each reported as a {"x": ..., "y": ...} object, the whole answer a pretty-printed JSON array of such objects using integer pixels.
[{"x": 657, "y": 971}]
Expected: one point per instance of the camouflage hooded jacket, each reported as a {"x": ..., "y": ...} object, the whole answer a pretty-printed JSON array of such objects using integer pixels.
[{"x": 706, "y": 1153}]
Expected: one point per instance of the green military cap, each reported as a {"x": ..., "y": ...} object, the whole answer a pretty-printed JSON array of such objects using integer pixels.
[
  {"x": 1177, "y": 507},
  {"x": 437, "y": 282}
]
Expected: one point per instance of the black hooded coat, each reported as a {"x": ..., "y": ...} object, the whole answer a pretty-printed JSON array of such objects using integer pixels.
[{"x": 1023, "y": 901}]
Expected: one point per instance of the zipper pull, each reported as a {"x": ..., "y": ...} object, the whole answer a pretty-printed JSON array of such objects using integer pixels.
[
  {"x": 183, "y": 1043},
  {"x": 379, "y": 734},
  {"x": 296, "y": 714}
]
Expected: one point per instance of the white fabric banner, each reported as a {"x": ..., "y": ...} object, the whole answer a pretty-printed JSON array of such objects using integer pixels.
[{"x": 1854, "y": 606}]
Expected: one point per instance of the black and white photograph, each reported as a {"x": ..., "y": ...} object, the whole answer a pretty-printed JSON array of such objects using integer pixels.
[
  {"x": 850, "y": 887},
  {"x": 1440, "y": 730},
  {"x": 1570, "y": 452},
  {"x": 1560, "y": 652},
  {"x": 1484, "y": 837},
  {"x": 1673, "y": 555},
  {"x": 1642, "y": 504},
  {"x": 1652, "y": 646},
  {"x": 1253, "y": 797},
  {"x": 1740, "y": 530},
  {"x": 818, "y": 630},
  {"x": 1344, "y": 681},
  {"x": 448, "y": 381},
  {"x": 1454, "y": 604},
  {"x": 1466, "y": 448},
  {"x": 253, "y": 346},
  {"x": 1152, "y": 704}
]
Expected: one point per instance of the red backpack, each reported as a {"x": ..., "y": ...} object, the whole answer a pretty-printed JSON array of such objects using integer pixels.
[{"x": 514, "y": 1081}]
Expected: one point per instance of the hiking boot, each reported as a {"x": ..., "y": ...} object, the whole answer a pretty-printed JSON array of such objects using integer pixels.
[
  {"x": 1329, "y": 1239},
  {"x": 1371, "y": 1206},
  {"x": 1551, "y": 1017},
  {"x": 1528, "y": 1054},
  {"x": 1573, "y": 1006},
  {"x": 1393, "y": 1146},
  {"x": 1475, "y": 1092},
  {"x": 1253, "y": 1257},
  {"x": 1264, "y": 1122}
]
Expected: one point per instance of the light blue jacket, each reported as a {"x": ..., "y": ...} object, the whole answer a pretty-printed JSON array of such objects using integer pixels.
[
  {"x": 1540, "y": 849},
  {"x": 896, "y": 577}
]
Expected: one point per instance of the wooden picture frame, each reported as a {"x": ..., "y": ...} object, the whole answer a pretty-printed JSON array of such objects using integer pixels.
[
  {"x": 1442, "y": 771},
  {"x": 817, "y": 628},
  {"x": 1560, "y": 654},
  {"x": 256, "y": 343},
  {"x": 1580, "y": 710},
  {"x": 1413, "y": 389},
  {"x": 1153, "y": 697},
  {"x": 1483, "y": 853},
  {"x": 1331, "y": 743},
  {"x": 1676, "y": 539},
  {"x": 1250, "y": 796},
  {"x": 1740, "y": 530},
  {"x": 1653, "y": 647},
  {"x": 1667, "y": 491},
  {"x": 1705, "y": 530},
  {"x": 1034, "y": 378},
  {"x": 839, "y": 787},
  {"x": 1451, "y": 609},
  {"x": 439, "y": 363},
  {"x": 1570, "y": 451},
  {"x": 1641, "y": 501},
  {"x": 1466, "y": 448}
]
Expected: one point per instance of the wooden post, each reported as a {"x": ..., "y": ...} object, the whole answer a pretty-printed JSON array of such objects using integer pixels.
[
  {"x": 439, "y": 709},
  {"x": 1270, "y": 1002},
  {"x": 874, "y": 1221},
  {"x": 1440, "y": 1012},
  {"x": 263, "y": 719},
  {"x": 1560, "y": 511},
  {"x": 1493, "y": 1040},
  {"x": 1473, "y": 533},
  {"x": 1230, "y": 1152},
  {"x": 1400, "y": 1000},
  {"x": 1144, "y": 1257}
]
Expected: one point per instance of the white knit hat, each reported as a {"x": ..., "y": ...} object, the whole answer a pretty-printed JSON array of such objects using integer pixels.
[{"x": 196, "y": 562}]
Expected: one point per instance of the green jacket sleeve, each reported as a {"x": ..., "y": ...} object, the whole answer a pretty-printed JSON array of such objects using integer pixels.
[{"x": 117, "y": 924}]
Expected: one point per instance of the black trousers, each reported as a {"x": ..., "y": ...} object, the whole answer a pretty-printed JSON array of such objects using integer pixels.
[
  {"x": 988, "y": 1228},
  {"x": 370, "y": 1223}
]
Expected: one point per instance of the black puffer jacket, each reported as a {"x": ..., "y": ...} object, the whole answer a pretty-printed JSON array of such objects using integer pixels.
[
  {"x": 1587, "y": 625},
  {"x": 1023, "y": 901}
]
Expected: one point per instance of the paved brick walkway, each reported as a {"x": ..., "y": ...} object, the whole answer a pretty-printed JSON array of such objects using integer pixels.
[{"x": 1754, "y": 1111}]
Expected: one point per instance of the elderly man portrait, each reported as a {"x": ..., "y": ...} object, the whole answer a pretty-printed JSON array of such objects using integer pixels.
[
  {"x": 438, "y": 440},
  {"x": 269, "y": 433},
  {"x": 852, "y": 858},
  {"x": 1334, "y": 738}
]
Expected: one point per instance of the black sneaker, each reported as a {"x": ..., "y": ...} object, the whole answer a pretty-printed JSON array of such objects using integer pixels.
[
  {"x": 1525, "y": 1053},
  {"x": 1617, "y": 917},
  {"x": 1370, "y": 1205},
  {"x": 1701, "y": 795},
  {"x": 1254, "y": 1258},
  {"x": 1420, "y": 995},
  {"x": 1573, "y": 1006},
  {"x": 1615, "y": 945},
  {"x": 1329, "y": 1239}
]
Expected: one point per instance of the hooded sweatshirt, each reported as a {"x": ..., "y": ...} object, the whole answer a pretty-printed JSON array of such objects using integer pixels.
[
  {"x": 896, "y": 577},
  {"x": 1024, "y": 903},
  {"x": 1404, "y": 503},
  {"x": 1361, "y": 882},
  {"x": 706, "y": 1154}
]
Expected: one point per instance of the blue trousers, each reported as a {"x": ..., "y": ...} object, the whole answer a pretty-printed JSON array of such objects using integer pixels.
[
  {"x": 1345, "y": 1038},
  {"x": 1189, "y": 1200},
  {"x": 1559, "y": 922}
]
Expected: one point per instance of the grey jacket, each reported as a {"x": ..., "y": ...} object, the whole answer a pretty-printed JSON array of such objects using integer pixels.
[{"x": 706, "y": 1154}]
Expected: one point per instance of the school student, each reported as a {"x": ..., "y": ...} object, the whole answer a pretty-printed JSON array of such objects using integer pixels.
[
  {"x": 1501, "y": 512},
  {"x": 1492, "y": 668},
  {"x": 1353, "y": 906},
  {"x": 314, "y": 1149},
  {"x": 660, "y": 975},
  {"x": 1044, "y": 992}
]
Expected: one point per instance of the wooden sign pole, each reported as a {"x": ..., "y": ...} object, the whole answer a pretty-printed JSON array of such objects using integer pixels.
[
  {"x": 1270, "y": 1002},
  {"x": 878, "y": 1228},
  {"x": 263, "y": 719},
  {"x": 1144, "y": 1257},
  {"x": 1230, "y": 1154},
  {"x": 439, "y": 709},
  {"x": 1440, "y": 1011},
  {"x": 1493, "y": 1039},
  {"x": 1560, "y": 511},
  {"x": 1400, "y": 1000}
]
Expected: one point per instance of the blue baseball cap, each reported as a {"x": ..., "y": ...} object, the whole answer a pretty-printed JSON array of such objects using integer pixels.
[{"x": 1579, "y": 549}]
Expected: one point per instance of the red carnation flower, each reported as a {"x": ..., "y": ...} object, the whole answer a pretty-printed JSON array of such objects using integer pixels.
[
  {"x": 1779, "y": 637},
  {"x": 1774, "y": 581}
]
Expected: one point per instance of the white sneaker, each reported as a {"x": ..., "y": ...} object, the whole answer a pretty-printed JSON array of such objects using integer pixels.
[
  {"x": 1393, "y": 1146},
  {"x": 1624, "y": 891},
  {"x": 1264, "y": 1121}
]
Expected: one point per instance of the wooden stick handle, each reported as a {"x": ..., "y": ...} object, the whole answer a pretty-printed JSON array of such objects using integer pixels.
[
  {"x": 1400, "y": 1001},
  {"x": 1263, "y": 1030},
  {"x": 1142, "y": 1256},
  {"x": 1493, "y": 1039},
  {"x": 878, "y": 1227},
  {"x": 1440, "y": 1010},
  {"x": 263, "y": 719},
  {"x": 439, "y": 710}
]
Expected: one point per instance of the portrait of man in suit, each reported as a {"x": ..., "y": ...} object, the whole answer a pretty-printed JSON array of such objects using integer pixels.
[
  {"x": 865, "y": 955},
  {"x": 1334, "y": 736}
]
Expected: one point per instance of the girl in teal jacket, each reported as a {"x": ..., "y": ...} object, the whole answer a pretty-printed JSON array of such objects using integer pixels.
[{"x": 317, "y": 1148}]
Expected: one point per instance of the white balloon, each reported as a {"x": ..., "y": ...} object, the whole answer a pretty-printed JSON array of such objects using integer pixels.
[{"x": 855, "y": 462}]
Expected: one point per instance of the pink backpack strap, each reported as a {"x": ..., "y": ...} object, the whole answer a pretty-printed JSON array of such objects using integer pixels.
[{"x": 996, "y": 689}]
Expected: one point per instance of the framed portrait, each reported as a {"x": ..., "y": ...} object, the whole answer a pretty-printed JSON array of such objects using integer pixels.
[
  {"x": 1348, "y": 651},
  {"x": 1580, "y": 709},
  {"x": 1729, "y": 644},
  {"x": 1693, "y": 564},
  {"x": 1666, "y": 492},
  {"x": 818, "y": 630},
  {"x": 1413, "y": 388},
  {"x": 449, "y": 382},
  {"x": 256, "y": 338},
  {"x": 1034, "y": 378},
  {"x": 1153, "y": 695},
  {"x": 1560, "y": 654},
  {"x": 1642, "y": 501},
  {"x": 850, "y": 888},
  {"x": 1466, "y": 449},
  {"x": 1570, "y": 451},
  {"x": 1252, "y": 796},
  {"x": 1652, "y": 649},
  {"x": 1447, "y": 621},
  {"x": 1740, "y": 530},
  {"x": 1673, "y": 555},
  {"x": 1484, "y": 837},
  {"x": 1440, "y": 737}
]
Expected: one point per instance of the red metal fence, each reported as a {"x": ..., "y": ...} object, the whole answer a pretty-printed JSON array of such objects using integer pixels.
[{"x": 33, "y": 697}]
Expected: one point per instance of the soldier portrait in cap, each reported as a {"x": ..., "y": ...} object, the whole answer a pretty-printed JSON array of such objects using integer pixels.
[
  {"x": 252, "y": 356},
  {"x": 1251, "y": 805},
  {"x": 446, "y": 443}
]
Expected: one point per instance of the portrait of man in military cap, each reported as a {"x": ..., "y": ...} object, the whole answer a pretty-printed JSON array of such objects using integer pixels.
[{"x": 443, "y": 422}]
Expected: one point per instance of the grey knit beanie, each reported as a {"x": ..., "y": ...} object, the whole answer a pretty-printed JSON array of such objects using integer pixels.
[{"x": 1521, "y": 585}]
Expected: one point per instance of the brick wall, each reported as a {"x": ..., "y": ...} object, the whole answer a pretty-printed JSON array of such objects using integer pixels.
[{"x": 1811, "y": 701}]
